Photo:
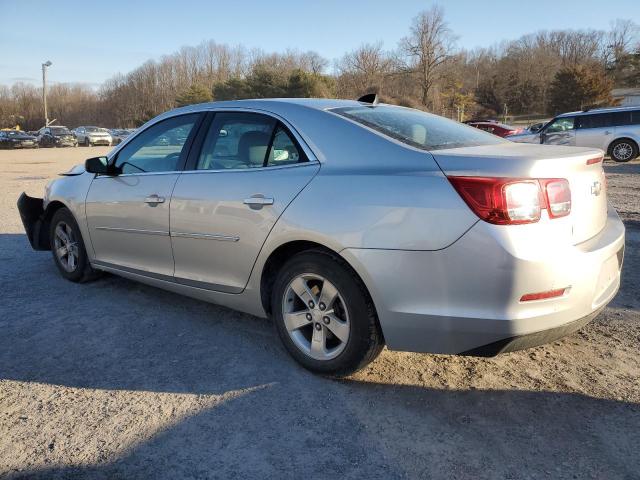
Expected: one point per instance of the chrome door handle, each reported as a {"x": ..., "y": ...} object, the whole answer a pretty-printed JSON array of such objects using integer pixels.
[
  {"x": 153, "y": 200},
  {"x": 607, "y": 132},
  {"x": 258, "y": 201}
]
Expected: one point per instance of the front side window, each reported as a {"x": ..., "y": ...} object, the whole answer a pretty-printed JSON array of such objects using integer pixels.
[
  {"x": 416, "y": 128},
  {"x": 242, "y": 140},
  {"x": 560, "y": 125},
  {"x": 159, "y": 148}
]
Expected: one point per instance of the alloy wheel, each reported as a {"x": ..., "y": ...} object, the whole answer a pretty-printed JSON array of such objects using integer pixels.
[
  {"x": 622, "y": 151},
  {"x": 315, "y": 316},
  {"x": 66, "y": 247}
]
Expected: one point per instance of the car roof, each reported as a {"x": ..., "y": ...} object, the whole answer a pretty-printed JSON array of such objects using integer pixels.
[
  {"x": 275, "y": 105},
  {"x": 598, "y": 110}
]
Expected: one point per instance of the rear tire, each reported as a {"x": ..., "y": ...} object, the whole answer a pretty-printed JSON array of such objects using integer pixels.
[
  {"x": 68, "y": 249},
  {"x": 623, "y": 150},
  {"x": 349, "y": 312}
]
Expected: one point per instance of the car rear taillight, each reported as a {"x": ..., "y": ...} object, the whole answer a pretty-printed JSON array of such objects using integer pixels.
[
  {"x": 514, "y": 201},
  {"x": 558, "y": 197}
]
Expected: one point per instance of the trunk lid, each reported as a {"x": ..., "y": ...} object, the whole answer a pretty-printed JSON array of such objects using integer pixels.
[{"x": 516, "y": 160}]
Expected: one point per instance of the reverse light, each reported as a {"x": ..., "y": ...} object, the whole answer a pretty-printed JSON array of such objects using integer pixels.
[
  {"x": 513, "y": 201},
  {"x": 543, "y": 295}
]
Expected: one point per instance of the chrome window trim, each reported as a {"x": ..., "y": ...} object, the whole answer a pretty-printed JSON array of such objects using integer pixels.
[
  {"x": 254, "y": 169},
  {"x": 311, "y": 156}
]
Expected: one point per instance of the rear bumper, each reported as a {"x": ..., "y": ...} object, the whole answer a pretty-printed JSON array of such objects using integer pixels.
[
  {"x": 32, "y": 216},
  {"x": 465, "y": 299}
]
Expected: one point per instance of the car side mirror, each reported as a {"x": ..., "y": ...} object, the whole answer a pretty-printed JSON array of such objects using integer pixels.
[
  {"x": 99, "y": 165},
  {"x": 542, "y": 135}
]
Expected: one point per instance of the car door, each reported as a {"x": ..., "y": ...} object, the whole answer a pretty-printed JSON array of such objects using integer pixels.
[
  {"x": 249, "y": 168},
  {"x": 128, "y": 214},
  {"x": 594, "y": 130},
  {"x": 559, "y": 132}
]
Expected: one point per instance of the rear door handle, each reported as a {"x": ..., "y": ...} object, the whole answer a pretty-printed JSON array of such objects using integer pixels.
[
  {"x": 258, "y": 201},
  {"x": 154, "y": 200}
]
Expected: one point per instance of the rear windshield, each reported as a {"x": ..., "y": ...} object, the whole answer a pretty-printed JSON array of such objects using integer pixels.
[{"x": 416, "y": 128}]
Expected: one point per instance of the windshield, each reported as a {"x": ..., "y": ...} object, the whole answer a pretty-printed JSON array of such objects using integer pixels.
[
  {"x": 96, "y": 129},
  {"x": 60, "y": 131},
  {"x": 416, "y": 128}
]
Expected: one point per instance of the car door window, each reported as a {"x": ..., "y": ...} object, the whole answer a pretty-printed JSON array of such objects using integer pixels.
[
  {"x": 236, "y": 140},
  {"x": 561, "y": 125},
  {"x": 159, "y": 148},
  {"x": 283, "y": 150}
]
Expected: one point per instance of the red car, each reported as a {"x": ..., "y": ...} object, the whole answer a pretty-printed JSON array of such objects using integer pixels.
[{"x": 499, "y": 129}]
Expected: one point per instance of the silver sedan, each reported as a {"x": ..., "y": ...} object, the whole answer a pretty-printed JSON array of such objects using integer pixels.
[{"x": 351, "y": 224}]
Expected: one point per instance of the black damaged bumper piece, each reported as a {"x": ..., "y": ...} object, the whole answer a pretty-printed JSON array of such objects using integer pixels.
[{"x": 32, "y": 215}]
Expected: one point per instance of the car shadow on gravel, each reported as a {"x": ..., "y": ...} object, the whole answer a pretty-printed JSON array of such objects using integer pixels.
[
  {"x": 115, "y": 335},
  {"x": 362, "y": 430}
]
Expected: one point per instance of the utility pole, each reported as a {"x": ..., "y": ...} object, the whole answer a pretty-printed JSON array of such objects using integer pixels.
[{"x": 44, "y": 90}]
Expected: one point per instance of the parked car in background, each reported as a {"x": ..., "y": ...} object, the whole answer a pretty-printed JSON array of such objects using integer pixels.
[
  {"x": 352, "y": 224},
  {"x": 57, "y": 136},
  {"x": 17, "y": 139},
  {"x": 90, "y": 136},
  {"x": 118, "y": 135},
  {"x": 499, "y": 129},
  {"x": 616, "y": 131}
]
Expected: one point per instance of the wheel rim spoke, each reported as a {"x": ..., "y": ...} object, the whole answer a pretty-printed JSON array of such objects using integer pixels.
[
  {"x": 301, "y": 288},
  {"x": 318, "y": 342},
  {"x": 294, "y": 321},
  {"x": 328, "y": 294},
  {"x": 338, "y": 327},
  {"x": 61, "y": 234}
]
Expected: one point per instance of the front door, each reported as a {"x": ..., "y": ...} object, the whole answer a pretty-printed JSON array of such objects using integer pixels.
[
  {"x": 128, "y": 214},
  {"x": 560, "y": 132},
  {"x": 249, "y": 169}
]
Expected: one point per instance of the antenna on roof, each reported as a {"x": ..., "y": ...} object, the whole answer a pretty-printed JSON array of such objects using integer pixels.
[{"x": 371, "y": 98}]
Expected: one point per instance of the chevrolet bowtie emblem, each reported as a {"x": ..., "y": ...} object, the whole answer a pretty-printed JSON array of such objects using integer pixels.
[{"x": 596, "y": 188}]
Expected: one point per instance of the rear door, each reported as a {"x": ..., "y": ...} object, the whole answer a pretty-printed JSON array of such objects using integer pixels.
[
  {"x": 128, "y": 214},
  {"x": 249, "y": 168},
  {"x": 560, "y": 132},
  {"x": 594, "y": 130}
]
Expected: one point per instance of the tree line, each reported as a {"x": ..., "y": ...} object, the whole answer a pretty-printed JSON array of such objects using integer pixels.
[{"x": 540, "y": 74}]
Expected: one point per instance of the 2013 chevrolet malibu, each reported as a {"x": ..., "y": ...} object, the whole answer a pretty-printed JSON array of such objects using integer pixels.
[{"x": 351, "y": 224}]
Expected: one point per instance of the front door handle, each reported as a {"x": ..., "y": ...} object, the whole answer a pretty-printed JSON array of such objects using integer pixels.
[
  {"x": 153, "y": 200},
  {"x": 258, "y": 201},
  {"x": 607, "y": 132}
]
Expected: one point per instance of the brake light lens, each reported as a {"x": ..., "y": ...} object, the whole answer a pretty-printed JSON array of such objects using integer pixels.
[
  {"x": 509, "y": 201},
  {"x": 558, "y": 196}
]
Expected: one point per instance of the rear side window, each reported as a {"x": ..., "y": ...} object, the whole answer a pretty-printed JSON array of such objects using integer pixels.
[
  {"x": 599, "y": 120},
  {"x": 416, "y": 128},
  {"x": 242, "y": 140},
  {"x": 621, "y": 119}
]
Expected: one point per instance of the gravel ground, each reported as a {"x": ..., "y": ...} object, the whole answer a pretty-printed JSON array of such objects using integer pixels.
[{"x": 117, "y": 380}]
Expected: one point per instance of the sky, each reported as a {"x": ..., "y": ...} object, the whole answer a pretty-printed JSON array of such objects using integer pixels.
[{"x": 90, "y": 41}]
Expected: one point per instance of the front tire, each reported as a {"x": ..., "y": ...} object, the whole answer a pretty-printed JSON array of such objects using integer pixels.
[
  {"x": 324, "y": 315},
  {"x": 623, "y": 150},
  {"x": 67, "y": 247}
]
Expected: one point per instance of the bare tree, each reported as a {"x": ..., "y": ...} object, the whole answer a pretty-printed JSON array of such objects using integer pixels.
[{"x": 429, "y": 45}]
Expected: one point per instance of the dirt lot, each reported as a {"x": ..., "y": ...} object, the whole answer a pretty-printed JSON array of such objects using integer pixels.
[{"x": 117, "y": 380}]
